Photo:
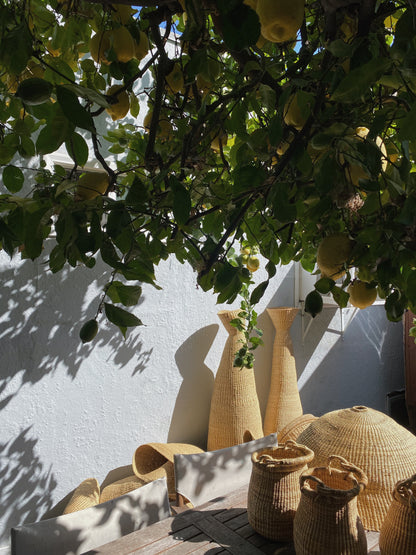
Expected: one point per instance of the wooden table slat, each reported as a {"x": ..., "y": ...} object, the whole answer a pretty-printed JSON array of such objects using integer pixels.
[{"x": 221, "y": 534}]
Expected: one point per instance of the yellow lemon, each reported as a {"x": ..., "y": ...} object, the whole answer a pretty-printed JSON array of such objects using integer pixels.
[
  {"x": 280, "y": 20},
  {"x": 253, "y": 263},
  {"x": 164, "y": 128},
  {"x": 292, "y": 113},
  {"x": 123, "y": 44},
  {"x": 122, "y": 13},
  {"x": 285, "y": 144},
  {"x": 141, "y": 47},
  {"x": 100, "y": 43},
  {"x": 362, "y": 294},
  {"x": 220, "y": 139},
  {"x": 333, "y": 253},
  {"x": 174, "y": 80},
  {"x": 121, "y": 108},
  {"x": 353, "y": 171},
  {"x": 92, "y": 184}
]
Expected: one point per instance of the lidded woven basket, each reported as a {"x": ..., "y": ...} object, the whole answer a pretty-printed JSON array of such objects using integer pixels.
[
  {"x": 374, "y": 442},
  {"x": 398, "y": 532},
  {"x": 274, "y": 493}
]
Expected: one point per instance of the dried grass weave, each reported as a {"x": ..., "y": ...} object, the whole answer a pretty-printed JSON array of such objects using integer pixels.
[
  {"x": 155, "y": 460},
  {"x": 326, "y": 521},
  {"x": 87, "y": 494},
  {"x": 295, "y": 427},
  {"x": 374, "y": 442},
  {"x": 398, "y": 532},
  {"x": 274, "y": 493}
]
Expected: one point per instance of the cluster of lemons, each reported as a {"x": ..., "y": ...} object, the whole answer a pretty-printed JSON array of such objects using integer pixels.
[
  {"x": 333, "y": 256},
  {"x": 249, "y": 257}
]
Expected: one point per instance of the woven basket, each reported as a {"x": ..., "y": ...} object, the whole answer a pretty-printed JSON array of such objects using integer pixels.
[
  {"x": 273, "y": 493},
  {"x": 119, "y": 481},
  {"x": 87, "y": 494},
  {"x": 235, "y": 408},
  {"x": 327, "y": 521},
  {"x": 295, "y": 427},
  {"x": 374, "y": 442},
  {"x": 155, "y": 460},
  {"x": 398, "y": 532}
]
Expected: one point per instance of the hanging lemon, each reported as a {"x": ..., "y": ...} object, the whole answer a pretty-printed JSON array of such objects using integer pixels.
[
  {"x": 141, "y": 47},
  {"x": 92, "y": 184},
  {"x": 123, "y": 44},
  {"x": 119, "y": 109},
  {"x": 280, "y": 20},
  {"x": 333, "y": 253},
  {"x": 164, "y": 128},
  {"x": 100, "y": 44},
  {"x": 174, "y": 80},
  {"x": 362, "y": 294}
]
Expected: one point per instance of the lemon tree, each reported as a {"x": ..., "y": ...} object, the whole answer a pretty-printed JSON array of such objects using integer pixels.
[{"x": 270, "y": 124}]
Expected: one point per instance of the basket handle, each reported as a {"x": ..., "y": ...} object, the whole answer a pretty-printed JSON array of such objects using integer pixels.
[
  {"x": 403, "y": 490},
  {"x": 356, "y": 472}
]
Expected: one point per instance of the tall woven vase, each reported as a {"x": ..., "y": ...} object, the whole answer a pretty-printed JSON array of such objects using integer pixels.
[
  {"x": 327, "y": 521},
  {"x": 283, "y": 404},
  {"x": 398, "y": 531},
  {"x": 274, "y": 493},
  {"x": 235, "y": 410}
]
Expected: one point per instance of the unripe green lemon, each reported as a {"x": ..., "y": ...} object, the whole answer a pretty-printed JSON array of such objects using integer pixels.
[
  {"x": 88, "y": 331},
  {"x": 313, "y": 303},
  {"x": 34, "y": 91}
]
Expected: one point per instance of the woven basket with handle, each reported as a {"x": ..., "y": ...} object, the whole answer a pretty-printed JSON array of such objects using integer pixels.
[
  {"x": 273, "y": 493},
  {"x": 327, "y": 521},
  {"x": 398, "y": 532}
]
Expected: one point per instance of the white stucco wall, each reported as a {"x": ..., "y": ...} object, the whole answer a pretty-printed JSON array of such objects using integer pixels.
[{"x": 71, "y": 411}]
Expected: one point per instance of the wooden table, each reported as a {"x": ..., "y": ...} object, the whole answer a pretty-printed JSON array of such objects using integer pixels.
[{"x": 219, "y": 526}]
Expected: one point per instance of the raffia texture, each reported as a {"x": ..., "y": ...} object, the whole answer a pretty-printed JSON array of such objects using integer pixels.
[
  {"x": 235, "y": 408},
  {"x": 295, "y": 427},
  {"x": 155, "y": 460},
  {"x": 119, "y": 481},
  {"x": 398, "y": 532},
  {"x": 274, "y": 493},
  {"x": 87, "y": 494},
  {"x": 374, "y": 442},
  {"x": 327, "y": 521},
  {"x": 283, "y": 403}
]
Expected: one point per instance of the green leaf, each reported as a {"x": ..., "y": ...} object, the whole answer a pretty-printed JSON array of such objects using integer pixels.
[
  {"x": 73, "y": 109},
  {"x": 324, "y": 285},
  {"x": 248, "y": 177},
  {"x": 359, "y": 80},
  {"x": 340, "y": 296},
  {"x": 54, "y": 133},
  {"x": 120, "y": 317},
  {"x": 240, "y": 27},
  {"x": 128, "y": 295},
  {"x": 13, "y": 178},
  {"x": 258, "y": 292},
  {"x": 77, "y": 148},
  {"x": 181, "y": 201},
  {"x": 88, "y": 94}
]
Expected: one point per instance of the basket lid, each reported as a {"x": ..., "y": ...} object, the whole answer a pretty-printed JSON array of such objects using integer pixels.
[{"x": 374, "y": 442}]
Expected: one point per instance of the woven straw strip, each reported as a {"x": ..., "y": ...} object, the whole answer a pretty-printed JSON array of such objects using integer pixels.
[{"x": 87, "y": 494}]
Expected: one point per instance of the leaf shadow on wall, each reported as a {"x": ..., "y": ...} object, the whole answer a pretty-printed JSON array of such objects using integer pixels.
[
  {"x": 191, "y": 412},
  {"x": 24, "y": 482},
  {"x": 41, "y": 315}
]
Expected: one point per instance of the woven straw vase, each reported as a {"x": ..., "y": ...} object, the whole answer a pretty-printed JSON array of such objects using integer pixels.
[
  {"x": 274, "y": 493},
  {"x": 398, "y": 532},
  {"x": 327, "y": 521},
  {"x": 235, "y": 408},
  {"x": 283, "y": 404},
  {"x": 374, "y": 442}
]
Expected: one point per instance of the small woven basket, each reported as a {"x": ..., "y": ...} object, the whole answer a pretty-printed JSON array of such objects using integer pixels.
[
  {"x": 398, "y": 532},
  {"x": 273, "y": 493},
  {"x": 327, "y": 521}
]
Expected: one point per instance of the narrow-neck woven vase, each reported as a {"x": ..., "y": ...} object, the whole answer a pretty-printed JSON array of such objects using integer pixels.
[
  {"x": 235, "y": 410},
  {"x": 398, "y": 532},
  {"x": 283, "y": 404},
  {"x": 327, "y": 520}
]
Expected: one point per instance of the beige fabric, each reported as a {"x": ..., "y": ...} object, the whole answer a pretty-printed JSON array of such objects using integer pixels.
[
  {"x": 200, "y": 477},
  {"x": 75, "y": 533},
  {"x": 87, "y": 494}
]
